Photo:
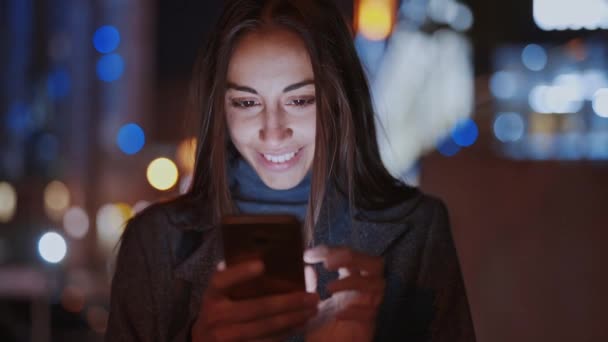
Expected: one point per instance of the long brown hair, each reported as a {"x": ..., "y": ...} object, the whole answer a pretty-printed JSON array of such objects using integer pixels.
[{"x": 346, "y": 150}]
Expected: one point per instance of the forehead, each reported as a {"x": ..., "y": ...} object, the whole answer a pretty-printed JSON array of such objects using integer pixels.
[{"x": 268, "y": 55}]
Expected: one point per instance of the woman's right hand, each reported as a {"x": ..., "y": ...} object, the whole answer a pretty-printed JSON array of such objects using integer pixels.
[{"x": 270, "y": 318}]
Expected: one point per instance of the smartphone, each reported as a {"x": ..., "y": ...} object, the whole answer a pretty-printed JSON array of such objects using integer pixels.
[{"x": 277, "y": 241}]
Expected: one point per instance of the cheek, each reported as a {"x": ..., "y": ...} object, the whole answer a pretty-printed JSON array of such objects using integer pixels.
[{"x": 241, "y": 131}]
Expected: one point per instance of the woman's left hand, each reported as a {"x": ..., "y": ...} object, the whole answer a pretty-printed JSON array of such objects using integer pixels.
[{"x": 350, "y": 313}]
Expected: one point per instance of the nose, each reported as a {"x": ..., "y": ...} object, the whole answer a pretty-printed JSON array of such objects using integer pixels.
[{"x": 274, "y": 130}]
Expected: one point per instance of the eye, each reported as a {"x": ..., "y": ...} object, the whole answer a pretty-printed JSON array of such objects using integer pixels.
[
  {"x": 244, "y": 103},
  {"x": 302, "y": 102}
]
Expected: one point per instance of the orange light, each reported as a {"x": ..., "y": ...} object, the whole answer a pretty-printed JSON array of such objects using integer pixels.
[
  {"x": 375, "y": 18},
  {"x": 186, "y": 154}
]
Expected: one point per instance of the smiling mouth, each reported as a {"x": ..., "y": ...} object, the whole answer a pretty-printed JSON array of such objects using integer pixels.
[{"x": 280, "y": 158}]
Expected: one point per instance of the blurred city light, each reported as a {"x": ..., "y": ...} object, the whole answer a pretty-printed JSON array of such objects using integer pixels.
[
  {"x": 110, "y": 67},
  {"x": 465, "y": 133},
  {"x": 8, "y": 202},
  {"x": 592, "y": 80},
  {"x": 600, "y": 102},
  {"x": 370, "y": 52},
  {"x": 130, "y": 139},
  {"x": 76, "y": 222},
  {"x": 448, "y": 147},
  {"x": 570, "y": 14},
  {"x": 162, "y": 174},
  {"x": 463, "y": 18},
  {"x": 56, "y": 199},
  {"x": 58, "y": 84},
  {"x": 534, "y": 57},
  {"x": 111, "y": 220},
  {"x": 509, "y": 127},
  {"x": 106, "y": 39},
  {"x": 19, "y": 118},
  {"x": 557, "y": 99},
  {"x": 375, "y": 18},
  {"x": 52, "y": 247},
  {"x": 186, "y": 151},
  {"x": 503, "y": 84}
]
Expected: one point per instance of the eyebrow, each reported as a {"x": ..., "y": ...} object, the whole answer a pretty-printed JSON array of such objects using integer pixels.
[{"x": 253, "y": 91}]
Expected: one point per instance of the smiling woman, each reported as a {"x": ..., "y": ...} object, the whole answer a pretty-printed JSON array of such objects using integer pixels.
[
  {"x": 287, "y": 126},
  {"x": 270, "y": 106}
]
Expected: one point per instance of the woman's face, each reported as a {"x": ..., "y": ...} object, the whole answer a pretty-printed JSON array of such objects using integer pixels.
[{"x": 270, "y": 106}]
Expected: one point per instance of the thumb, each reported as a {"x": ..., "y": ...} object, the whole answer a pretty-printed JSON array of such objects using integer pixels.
[{"x": 310, "y": 277}]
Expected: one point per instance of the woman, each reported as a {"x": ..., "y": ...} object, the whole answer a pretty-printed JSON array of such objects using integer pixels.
[{"x": 288, "y": 127}]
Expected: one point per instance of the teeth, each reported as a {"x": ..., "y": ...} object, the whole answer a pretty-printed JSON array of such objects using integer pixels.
[{"x": 279, "y": 159}]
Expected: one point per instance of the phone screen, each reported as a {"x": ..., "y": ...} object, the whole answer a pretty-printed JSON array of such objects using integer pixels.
[{"x": 274, "y": 239}]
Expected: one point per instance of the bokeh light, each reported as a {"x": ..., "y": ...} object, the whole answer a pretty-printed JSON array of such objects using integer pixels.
[
  {"x": 8, "y": 202},
  {"x": 448, "y": 147},
  {"x": 186, "y": 153},
  {"x": 106, "y": 39},
  {"x": 110, "y": 67},
  {"x": 462, "y": 19},
  {"x": 509, "y": 127},
  {"x": 600, "y": 102},
  {"x": 375, "y": 18},
  {"x": 58, "y": 84},
  {"x": 162, "y": 174},
  {"x": 131, "y": 138},
  {"x": 19, "y": 118},
  {"x": 465, "y": 133},
  {"x": 76, "y": 222},
  {"x": 72, "y": 299},
  {"x": 111, "y": 220},
  {"x": 56, "y": 199},
  {"x": 503, "y": 84},
  {"x": 534, "y": 57},
  {"x": 52, "y": 247}
]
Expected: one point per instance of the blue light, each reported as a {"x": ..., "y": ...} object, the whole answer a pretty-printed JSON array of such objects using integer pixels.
[
  {"x": 19, "y": 118},
  {"x": 465, "y": 133},
  {"x": 370, "y": 52},
  {"x": 131, "y": 138},
  {"x": 509, "y": 127},
  {"x": 110, "y": 67},
  {"x": 106, "y": 39},
  {"x": 448, "y": 147},
  {"x": 503, "y": 85},
  {"x": 58, "y": 84},
  {"x": 534, "y": 57}
]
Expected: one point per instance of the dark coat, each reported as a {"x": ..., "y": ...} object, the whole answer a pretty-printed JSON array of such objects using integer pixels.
[{"x": 166, "y": 258}]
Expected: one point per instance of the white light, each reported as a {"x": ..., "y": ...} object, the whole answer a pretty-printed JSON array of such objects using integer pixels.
[
  {"x": 463, "y": 20},
  {"x": 600, "y": 102},
  {"x": 534, "y": 57},
  {"x": 509, "y": 127},
  {"x": 570, "y": 14},
  {"x": 76, "y": 222},
  {"x": 52, "y": 247},
  {"x": 560, "y": 99},
  {"x": 593, "y": 80},
  {"x": 503, "y": 84},
  {"x": 139, "y": 206}
]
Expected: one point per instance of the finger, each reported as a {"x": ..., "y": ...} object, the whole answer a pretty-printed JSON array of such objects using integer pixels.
[
  {"x": 310, "y": 277},
  {"x": 253, "y": 309},
  {"x": 357, "y": 283},
  {"x": 357, "y": 313},
  {"x": 264, "y": 327},
  {"x": 343, "y": 272},
  {"x": 344, "y": 257},
  {"x": 233, "y": 275}
]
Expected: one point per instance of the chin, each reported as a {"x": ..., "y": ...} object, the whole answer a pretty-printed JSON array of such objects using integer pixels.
[{"x": 282, "y": 182}]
